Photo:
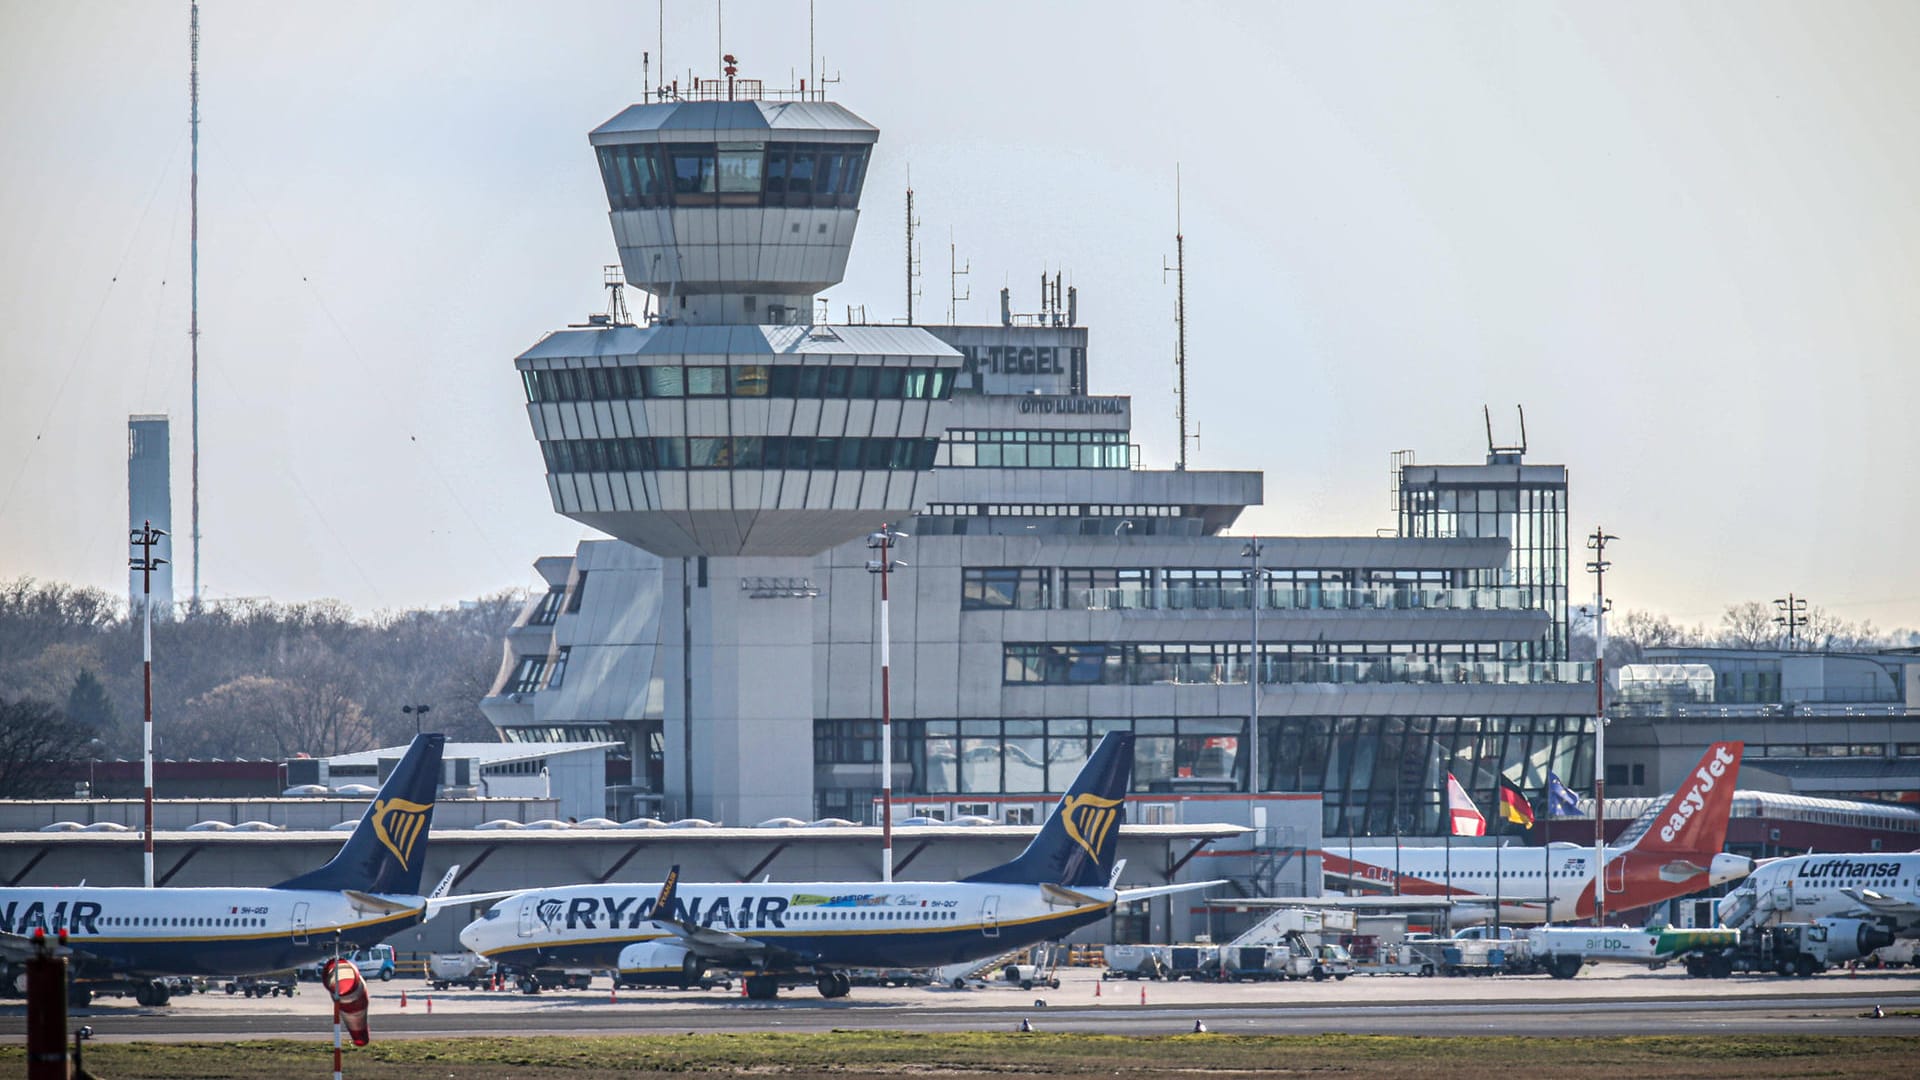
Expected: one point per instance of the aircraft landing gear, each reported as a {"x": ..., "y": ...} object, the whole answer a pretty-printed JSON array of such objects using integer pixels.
[
  {"x": 833, "y": 984},
  {"x": 763, "y": 987},
  {"x": 152, "y": 994}
]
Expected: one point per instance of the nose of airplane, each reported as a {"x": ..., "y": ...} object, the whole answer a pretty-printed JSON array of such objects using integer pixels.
[
  {"x": 1727, "y": 868},
  {"x": 470, "y": 936}
]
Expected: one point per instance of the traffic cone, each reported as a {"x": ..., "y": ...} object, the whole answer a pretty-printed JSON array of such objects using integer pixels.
[
  {"x": 403, "y": 998},
  {"x": 1096, "y": 989},
  {"x": 429, "y": 1004},
  {"x": 613, "y": 993},
  {"x": 1143, "y": 995}
]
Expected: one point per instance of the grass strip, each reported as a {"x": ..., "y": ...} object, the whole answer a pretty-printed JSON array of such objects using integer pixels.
[{"x": 955, "y": 1056}]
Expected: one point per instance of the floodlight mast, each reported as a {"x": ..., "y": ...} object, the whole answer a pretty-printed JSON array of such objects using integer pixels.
[
  {"x": 146, "y": 537},
  {"x": 883, "y": 541}
]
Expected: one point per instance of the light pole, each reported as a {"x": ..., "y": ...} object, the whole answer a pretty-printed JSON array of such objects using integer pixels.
[
  {"x": 1793, "y": 616},
  {"x": 883, "y": 541},
  {"x": 1597, "y": 543},
  {"x": 1251, "y": 552},
  {"x": 146, "y": 537},
  {"x": 418, "y": 712}
]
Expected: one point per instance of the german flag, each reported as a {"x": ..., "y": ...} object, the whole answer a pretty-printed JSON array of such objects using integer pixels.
[{"x": 1514, "y": 806}]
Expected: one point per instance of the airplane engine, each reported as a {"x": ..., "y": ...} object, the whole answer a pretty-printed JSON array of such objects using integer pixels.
[
  {"x": 658, "y": 963},
  {"x": 1852, "y": 939}
]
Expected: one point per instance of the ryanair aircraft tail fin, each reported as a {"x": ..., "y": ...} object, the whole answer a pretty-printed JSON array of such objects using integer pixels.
[
  {"x": 1077, "y": 845},
  {"x": 389, "y": 847}
]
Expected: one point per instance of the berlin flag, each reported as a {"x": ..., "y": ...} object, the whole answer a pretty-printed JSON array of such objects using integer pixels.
[{"x": 1460, "y": 811}]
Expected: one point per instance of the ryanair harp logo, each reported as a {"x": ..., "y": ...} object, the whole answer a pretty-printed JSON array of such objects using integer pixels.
[
  {"x": 1089, "y": 820},
  {"x": 398, "y": 824}
]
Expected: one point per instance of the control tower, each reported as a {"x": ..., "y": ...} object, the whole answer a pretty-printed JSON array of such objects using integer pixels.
[{"x": 729, "y": 433}]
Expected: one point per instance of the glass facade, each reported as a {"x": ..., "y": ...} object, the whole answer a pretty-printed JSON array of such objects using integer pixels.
[
  {"x": 636, "y": 383},
  {"x": 1381, "y": 776},
  {"x": 1377, "y": 775},
  {"x": 1217, "y": 589},
  {"x": 1108, "y": 663},
  {"x": 967, "y": 448},
  {"x": 1465, "y": 501},
  {"x": 736, "y": 452},
  {"x": 650, "y": 176}
]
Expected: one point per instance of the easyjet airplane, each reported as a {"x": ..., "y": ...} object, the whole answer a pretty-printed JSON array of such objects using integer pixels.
[
  {"x": 369, "y": 890},
  {"x": 670, "y": 934},
  {"x": 1673, "y": 854}
]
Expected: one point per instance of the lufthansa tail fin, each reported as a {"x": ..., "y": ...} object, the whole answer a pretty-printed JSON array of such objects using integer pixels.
[
  {"x": 1694, "y": 821},
  {"x": 389, "y": 847},
  {"x": 1076, "y": 846}
]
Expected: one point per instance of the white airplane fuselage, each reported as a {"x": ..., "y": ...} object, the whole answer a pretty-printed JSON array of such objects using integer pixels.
[
  {"x": 1802, "y": 888},
  {"x": 823, "y": 925},
  {"x": 216, "y": 931}
]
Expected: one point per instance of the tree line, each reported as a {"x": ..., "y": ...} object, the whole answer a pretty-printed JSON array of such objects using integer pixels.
[
  {"x": 237, "y": 679},
  {"x": 1750, "y": 625}
]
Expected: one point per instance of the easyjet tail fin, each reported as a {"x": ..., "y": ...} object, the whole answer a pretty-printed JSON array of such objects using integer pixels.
[
  {"x": 388, "y": 848},
  {"x": 1694, "y": 821},
  {"x": 1076, "y": 846}
]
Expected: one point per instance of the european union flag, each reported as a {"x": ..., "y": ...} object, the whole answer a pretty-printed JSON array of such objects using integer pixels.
[{"x": 1561, "y": 802}]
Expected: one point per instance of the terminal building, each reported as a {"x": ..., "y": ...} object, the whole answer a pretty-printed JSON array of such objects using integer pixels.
[{"x": 739, "y": 454}]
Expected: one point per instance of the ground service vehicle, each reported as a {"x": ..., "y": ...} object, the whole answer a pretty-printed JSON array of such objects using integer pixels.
[{"x": 1800, "y": 949}]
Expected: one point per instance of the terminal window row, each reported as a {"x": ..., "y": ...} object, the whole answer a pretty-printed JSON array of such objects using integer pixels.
[
  {"x": 1140, "y": 664},
  {"x": 1001, "y": 449},
  {"x": 990, "y": 588},
  {"x": 652, "y": 175},
  {"x": 843, "y": 382},
  {"x": 642, "y": 454},
  {"x": 1015, "y": 756},
  {"x": 1096, "y": 510}
]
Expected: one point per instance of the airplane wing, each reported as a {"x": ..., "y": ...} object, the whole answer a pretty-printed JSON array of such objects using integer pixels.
[
  {"x": 437, "y": 904},
  {"x": 1061, "y": 896},
  {"x": 371, "y": 904},
  {"x": 1881, "y": 904},
  {"x": 1128, "y": 896},
  {"x": 701, "y": 940}
]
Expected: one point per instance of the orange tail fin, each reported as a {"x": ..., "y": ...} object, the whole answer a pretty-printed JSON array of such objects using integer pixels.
[{"x": 1695, "y": 821}]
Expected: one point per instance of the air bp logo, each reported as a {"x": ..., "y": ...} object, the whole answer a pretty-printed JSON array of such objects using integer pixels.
[
  {"x": 1090, "y": 820},
  {"x": 398, "y": 825}
]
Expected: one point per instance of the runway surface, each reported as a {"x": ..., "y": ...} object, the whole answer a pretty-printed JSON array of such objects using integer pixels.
[{"x": 1623, "y": 1002}]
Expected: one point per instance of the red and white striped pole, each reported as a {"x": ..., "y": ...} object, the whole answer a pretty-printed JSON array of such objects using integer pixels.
[
  {"x": 145, "y": 538},
  {"x": 336, "y": 1040},
  {"x": 883, "y": 541}
]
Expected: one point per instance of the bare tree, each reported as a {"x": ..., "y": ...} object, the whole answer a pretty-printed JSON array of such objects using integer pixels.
[
  {"x": 1748, "y": 626},
  {"x": 36, "y": 740}
]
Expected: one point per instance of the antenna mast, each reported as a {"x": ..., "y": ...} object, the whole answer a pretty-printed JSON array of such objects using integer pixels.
[
  {"x": 954, "y": 273},
  {"x": 193, "y": 323},
  {"x": 1179, "y": 270},
  {"x": 913, "y": 263}
]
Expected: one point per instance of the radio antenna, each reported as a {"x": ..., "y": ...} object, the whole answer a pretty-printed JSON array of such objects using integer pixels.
[
  {"x": 913, "y": 260},
  {"x": 1179, "y": 271},
  {"x": 193, "y": 245},
  {"x": 954, "y": 273}
]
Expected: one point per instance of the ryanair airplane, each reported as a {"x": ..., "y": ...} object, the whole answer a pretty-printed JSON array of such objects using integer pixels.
[
  {"x": 671, "y": 934},
  {"x": 132, "y": 935}
]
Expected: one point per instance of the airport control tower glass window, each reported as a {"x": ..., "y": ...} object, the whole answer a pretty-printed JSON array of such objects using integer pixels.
[
  {"x": 632, "y": 383},
  {"x": 653, "y": 176}
]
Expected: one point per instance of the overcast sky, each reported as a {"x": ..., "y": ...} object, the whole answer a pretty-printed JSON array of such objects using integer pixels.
[{"x": 1684, "y": 237}]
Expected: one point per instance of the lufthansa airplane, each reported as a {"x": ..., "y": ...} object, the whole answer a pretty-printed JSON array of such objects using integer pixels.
[
  {"x": 668, "y": 935},
  {"x": 1661, "y": 857},
  {"x": 368, "y": 891},
  {"x": 1867, "y": 899}
]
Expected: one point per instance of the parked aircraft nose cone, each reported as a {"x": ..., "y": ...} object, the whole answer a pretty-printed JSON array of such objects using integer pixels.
[
  {"x": 470, "y": 936},
  {"x": 1727, "y": 867}
]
